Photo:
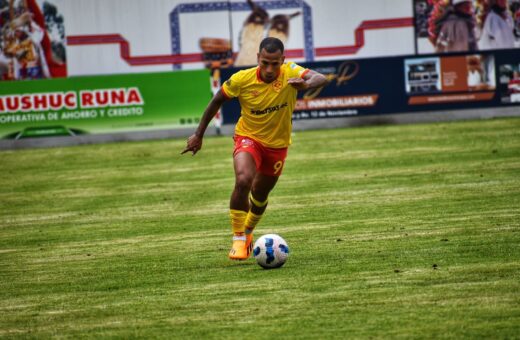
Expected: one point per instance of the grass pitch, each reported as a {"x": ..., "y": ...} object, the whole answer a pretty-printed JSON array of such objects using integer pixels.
[{"x": 406, "y": 231}]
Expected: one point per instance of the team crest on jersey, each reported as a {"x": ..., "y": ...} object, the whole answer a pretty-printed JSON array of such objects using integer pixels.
[{"x": 277, "y": 85}]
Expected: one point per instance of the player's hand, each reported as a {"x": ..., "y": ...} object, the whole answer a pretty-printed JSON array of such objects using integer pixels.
[
  {"x": 298, "y": 83},
  {"x": 194, "y": 144}
]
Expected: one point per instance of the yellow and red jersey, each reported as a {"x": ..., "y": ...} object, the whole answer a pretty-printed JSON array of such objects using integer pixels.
[{"x": 266, "y": 109}]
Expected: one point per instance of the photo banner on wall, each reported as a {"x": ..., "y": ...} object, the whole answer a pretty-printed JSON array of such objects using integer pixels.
[
  {"x": 467, "y": 78},
  {"x": 103, "y": 104},
  {"x": 466, "y": 25},
  {"x": 405, "y": 84},
  {"x": 32, "y": 40}
]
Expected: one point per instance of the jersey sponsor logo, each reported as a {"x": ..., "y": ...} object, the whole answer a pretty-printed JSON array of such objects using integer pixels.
[{"x": 269, "y": 109}]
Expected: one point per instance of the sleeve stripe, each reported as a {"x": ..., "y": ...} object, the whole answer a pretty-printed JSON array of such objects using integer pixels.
[
  {"x": 224, "y": 93},
  {"x": 304, "y": 73}
]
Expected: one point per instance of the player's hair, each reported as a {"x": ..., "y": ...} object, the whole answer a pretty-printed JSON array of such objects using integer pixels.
[{"x": 271, "y": 45}]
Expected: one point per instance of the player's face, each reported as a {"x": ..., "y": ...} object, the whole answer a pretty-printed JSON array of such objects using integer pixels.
[{"x": 270, "y": 64}]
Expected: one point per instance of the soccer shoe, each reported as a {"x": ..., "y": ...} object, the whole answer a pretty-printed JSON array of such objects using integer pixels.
[
  {"x": 249, "y": 243},
  {"x": 238, "y": 249}
]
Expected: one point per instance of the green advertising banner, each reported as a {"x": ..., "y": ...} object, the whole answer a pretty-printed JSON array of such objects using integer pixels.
[{"x": 102, "y": 104}]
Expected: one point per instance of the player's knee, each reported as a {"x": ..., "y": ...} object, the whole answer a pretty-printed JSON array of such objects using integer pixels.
[{"x": 243, "y": 182}]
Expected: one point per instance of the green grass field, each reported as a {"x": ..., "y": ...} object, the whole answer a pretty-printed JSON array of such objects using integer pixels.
[{"x": 408, "y": 231}]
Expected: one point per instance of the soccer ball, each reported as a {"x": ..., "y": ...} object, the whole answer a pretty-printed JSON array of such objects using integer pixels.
[{"x": 270, "y": 251}]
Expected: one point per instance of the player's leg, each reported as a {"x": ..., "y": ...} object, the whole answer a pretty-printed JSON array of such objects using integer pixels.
[
  {"x": 245, "y": 171},
  {"x": 265, "y": 180},
  {"x": 262, "y": 186}
]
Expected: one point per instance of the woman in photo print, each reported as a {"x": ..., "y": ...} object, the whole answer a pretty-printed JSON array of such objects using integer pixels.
[
  {"x": 452, "y": 26},
  {"x": 497, "y": 26},
  {"x": 26, "y": 48}
]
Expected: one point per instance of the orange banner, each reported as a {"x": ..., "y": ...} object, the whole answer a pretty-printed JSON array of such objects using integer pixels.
[
  {"x": 454, "y": 74},
  {"x": 452, "y": 98}
]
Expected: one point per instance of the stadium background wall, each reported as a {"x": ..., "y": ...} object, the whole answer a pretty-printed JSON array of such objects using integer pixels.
[{"x": 117, "y": 80}]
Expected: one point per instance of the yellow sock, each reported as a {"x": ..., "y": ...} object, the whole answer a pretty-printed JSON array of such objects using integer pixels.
[
  {"x": 238, "y": 217},
  {"x": 251, "y": 221}
]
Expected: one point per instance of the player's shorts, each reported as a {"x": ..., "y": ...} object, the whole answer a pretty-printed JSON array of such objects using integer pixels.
[{"x": 269, "y": 161}]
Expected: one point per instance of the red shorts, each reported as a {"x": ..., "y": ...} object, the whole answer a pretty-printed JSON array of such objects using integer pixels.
[{"x": 269, "y": 161}]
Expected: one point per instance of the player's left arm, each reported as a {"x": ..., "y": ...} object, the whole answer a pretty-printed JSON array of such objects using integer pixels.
[{"x": 311, "y": 79}]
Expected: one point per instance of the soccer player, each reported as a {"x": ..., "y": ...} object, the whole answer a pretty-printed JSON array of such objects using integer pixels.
[{"x": 267, "y": 96}]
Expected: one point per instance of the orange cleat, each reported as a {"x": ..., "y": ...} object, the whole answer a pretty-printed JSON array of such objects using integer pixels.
[
  {"x": 249, "y": 244},
  {"x": 238, "y": 249}
]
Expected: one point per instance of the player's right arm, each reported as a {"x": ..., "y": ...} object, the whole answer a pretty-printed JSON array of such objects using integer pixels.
[
  {"x": 230, "y": 89},
  {"x": 194, "y": 143}
]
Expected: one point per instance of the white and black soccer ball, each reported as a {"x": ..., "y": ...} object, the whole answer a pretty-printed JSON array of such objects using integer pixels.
[{"x": 270, "y": 251}]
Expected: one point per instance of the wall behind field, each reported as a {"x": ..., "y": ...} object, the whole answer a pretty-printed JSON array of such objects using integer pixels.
[
  {"x": 127, "y": 36},
  {"x": 125, "y": 69}
]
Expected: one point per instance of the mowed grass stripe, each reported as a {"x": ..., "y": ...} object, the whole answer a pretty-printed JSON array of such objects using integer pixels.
[{"x": 395, "y": 231}]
